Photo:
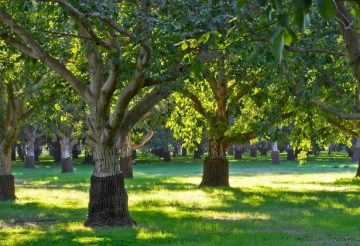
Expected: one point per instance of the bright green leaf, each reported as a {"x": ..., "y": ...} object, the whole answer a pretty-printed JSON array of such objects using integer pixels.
[{"x": 326, "y": 8}]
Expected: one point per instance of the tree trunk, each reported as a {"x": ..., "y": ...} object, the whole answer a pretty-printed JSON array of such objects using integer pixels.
[
  {"x": 7, "y": 184},
  {"x": 198, "y": 152},
  {"x": 183, "y": 152},
  {"x": 290, "y": 153},
  {"x": 356, "y": 150},
  {"x": 230, "y": 150},
  {"x": 263, "y": 149},
  {"x": 30, "y": 154},
  {"x": 108, "y": 205},
  {"x": 56, "y": 151},
  {"x": 126, "y": 158},
  {"x": 357, "y": 175},
  {"x": 275, "y": 155},
  {"x": 66, "y": 161},
  {"x": 253, "y": 151},
  {"x": 13, "y": 152},
  {"x": 166, "y": 155},
  {"x": 238, "y": 152},
  {"x": 75, "y": 151},
  {"x": 216, "y": 166}
]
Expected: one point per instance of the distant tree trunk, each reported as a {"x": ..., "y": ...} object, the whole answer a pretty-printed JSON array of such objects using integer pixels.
[
  {"x": 134, "y": 154},
  {"x": 66, "y": 146},
  {"x": 275, "y": 156},
  {"x": 263, "y": 149},
  {"x": 253, "y": 151},
  {"x": 230, "y": 150},
  {"x": 37, "y": 151},
  {"x": 7, "y": 183},
  {"x": 126, "y": 158},
  {"x": 13, "y": 152},
  {"x": 198, "y": 152},
  {"x": 356, "y": 150},
  {"x": 30, "y": 152},
  {"x": 88, "y": 159},
  {"x": 176, "y": 151},
  {"x": 216, "y": 166},
  {"x": 183, "y": 152},
  {"x": 238, "y": 152},
  {"x": 166, "y": 154},
  {"x": 290, "y": 153},
  {"x": 56, "y": 151},
  {"x": 108, "y": 203},
  {"x": 20, "y": 151},
  {"x": 75, "y": 151}
]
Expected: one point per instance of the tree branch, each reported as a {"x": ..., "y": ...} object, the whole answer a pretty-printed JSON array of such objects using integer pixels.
[
  {"x": 333, "y": 111},
  {"x": 314, "y": 50}
]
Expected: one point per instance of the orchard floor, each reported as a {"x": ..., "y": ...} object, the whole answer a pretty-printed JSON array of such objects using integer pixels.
[{"x": 314, "y": 204}]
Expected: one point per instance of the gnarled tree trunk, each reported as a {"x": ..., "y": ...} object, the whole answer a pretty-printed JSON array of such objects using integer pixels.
[
  {"x": 108, "y": 205},
  {"x": 216, "y": 166},
  {"x": 126, "y": 158}
]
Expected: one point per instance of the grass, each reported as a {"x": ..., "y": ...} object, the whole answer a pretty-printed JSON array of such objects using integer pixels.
[{"x": 287, "y": 204}]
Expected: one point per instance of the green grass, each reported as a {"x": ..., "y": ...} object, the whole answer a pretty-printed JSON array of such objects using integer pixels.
[{"x": 287, "y": 204}]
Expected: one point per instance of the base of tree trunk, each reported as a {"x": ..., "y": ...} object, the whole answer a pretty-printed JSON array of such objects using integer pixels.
[
  {"x": 66, "y": 165},
  {"x": 215, "y": 172},
  {"x": 275, "y": 157},
  {"x": 29, "y": 161},
  {"x": 253, "y": 152},
  {"x": 355, "y": 155},
  {"x": 108, "y": 205},
  {"x": 126, "y": 167},
  {"x": 290, "y": 155},
  {"x": 238, "y": 155},
  {"x": 166, "y": 155},
  {"x": 7, "y": 187}
]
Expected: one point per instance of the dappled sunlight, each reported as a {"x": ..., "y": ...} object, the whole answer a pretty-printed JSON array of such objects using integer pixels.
[{"x": 146, "y": 234}]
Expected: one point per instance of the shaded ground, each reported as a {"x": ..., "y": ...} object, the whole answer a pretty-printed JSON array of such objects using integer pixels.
[{"x": 287, "y": 204}]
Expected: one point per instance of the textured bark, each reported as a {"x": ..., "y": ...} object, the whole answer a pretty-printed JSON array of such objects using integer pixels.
[
  {"x": 108, "y": 202},
  {"x": 7, "y": 187},
  {"x": 215, "y": 172},
  {"x": 216, "y": 166},
  {"x": 253, "y": 151},
  {"x": 126, "y": 158}
]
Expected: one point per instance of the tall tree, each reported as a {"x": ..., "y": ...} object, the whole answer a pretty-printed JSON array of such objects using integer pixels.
[{"x": 116, "y": 41}]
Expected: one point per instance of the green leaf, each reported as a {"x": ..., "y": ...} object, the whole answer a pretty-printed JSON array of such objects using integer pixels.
[
  {"x": 303, "y": 4},
  {"x": 326, "y": 8},
  {"x": 283, "y": 20},
  {"x": 299, "y": 18},
  {"x": 277, "y": 46},
  {"x": 184, "y": 46},
  {"x": 287, "y": 38}
]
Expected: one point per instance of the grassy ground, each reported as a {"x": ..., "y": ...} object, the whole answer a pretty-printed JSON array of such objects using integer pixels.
[{"x": 287, "y": 204}]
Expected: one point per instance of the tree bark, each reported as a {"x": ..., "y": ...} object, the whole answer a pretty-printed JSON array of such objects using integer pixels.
[
  {"x": 126, "y": 158},
  {"x": 290, "y": 153},
  {"x": 275, "y": 155},
  {"x": 108, "y": 205},
  {"x": 56, "y": 151},
  {"x": 183, "y": 152},
  {"x": 7, "y": 184},
  {"x": 253, "y": 151},
  {"x": 66, "y": 161},
  {"x": 238, "y": 152},
  {"x": 30, "y": 153},
  {"x": 216, "y": 166},
  {"x": 356, "y": 150}
]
